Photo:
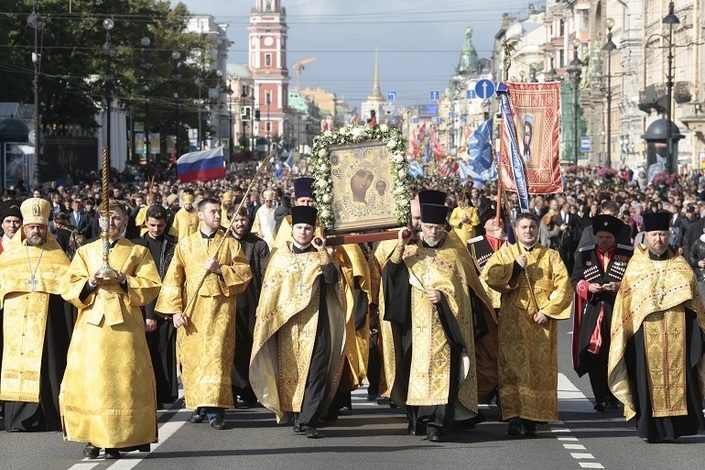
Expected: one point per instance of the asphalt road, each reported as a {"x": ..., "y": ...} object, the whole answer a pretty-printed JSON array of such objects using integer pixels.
[{"x": 373, "y": 436}]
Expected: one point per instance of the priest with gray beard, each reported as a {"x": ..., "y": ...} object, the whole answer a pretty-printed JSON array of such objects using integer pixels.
[{"x": 37, "y": 327}]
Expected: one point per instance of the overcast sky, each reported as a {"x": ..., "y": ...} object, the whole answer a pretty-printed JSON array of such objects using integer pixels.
[{"x": 418, "y": 46}]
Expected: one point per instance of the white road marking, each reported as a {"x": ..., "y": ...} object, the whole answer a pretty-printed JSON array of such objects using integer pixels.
[
  {"x": 574, "y": 446},
  {"x": 590, "y": 465},
  {"x": 581, "y": 455},
  {"x": 84, "y": 465},
  {"x": 567, "y": 438}
]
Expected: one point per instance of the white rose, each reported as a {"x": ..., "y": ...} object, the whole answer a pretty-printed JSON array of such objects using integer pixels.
[
  {"x": 328, "y": 133},
  {"x": 325, "y": 213},
  {"x": 401, "y": 173},
  {"x": 398, "y": 158},
  {"x": 383, "y": 128},
  {"x": 326, "y": 198},
  {"x": 392, "y": 143},
  {"x": 399, "y": 190}
]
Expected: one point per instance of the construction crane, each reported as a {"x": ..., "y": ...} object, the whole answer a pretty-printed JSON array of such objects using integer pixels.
[{"x": 299, "y": 67}]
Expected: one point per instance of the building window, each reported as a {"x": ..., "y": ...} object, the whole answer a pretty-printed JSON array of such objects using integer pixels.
[
  {"x": 268, "y": 60},
  {"x": 268, "y": 6},
  {"x": 268, "y": 97},
  {"x": 268, "y": 126},
  {"x": 245, "y": 91},
  {"x": 245, "y": 113},
  {"x": 562, "y": 28},
  {"x": 561, "y": 58}
]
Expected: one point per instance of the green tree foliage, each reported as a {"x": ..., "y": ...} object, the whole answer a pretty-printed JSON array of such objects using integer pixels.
[{"x": 74, "y": 65}]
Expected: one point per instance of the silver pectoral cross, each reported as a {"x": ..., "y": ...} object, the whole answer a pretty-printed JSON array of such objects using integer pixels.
[{"x": 32, "y": 283}]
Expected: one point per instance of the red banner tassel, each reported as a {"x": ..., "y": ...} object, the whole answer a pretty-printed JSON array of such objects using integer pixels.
[{"x": 595, "y": 343}]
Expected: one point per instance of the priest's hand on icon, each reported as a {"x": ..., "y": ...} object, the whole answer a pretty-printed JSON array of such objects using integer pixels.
[
  {"x": 319, "y": 243},
  {"x": 522, "y": 260},
  {"x": 404, "y": 236}
]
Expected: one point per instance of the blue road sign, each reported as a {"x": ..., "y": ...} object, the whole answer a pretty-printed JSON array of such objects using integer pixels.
[
  {"x": 484, "y": 88},
  {"x": 434, "y": 95},
  {"x": 391, "y": 95},
  {"x": 585, "y": 144}
]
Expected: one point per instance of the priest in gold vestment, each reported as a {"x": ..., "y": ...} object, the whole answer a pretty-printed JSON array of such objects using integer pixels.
[
  {"x": 536, "y": 291},
  {"x": 37, "y": 327},
  {"x": 429, "y": 350},
  {"x": 205, "y": 342},
  {"x": 297, "y": 353},
  {"x": 658, "y": 320},
  {"x": 186, "y": 219},
  {"x": 108, "y": 394}
]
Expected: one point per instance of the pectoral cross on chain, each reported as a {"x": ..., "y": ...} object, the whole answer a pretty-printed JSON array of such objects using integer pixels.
[{"x": 32, "y": 283}]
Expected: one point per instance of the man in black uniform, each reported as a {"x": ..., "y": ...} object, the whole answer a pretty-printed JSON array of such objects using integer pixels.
[
  {"x": 161, "y": 335},
  {"x": 596, "y": 278},
  {"x": 256, "y": 251}
]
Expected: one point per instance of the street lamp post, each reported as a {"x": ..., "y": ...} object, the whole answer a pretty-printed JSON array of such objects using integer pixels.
[
  {"x": 36, "y": 21},
  {"x": 229, "y": 91},
  {"x": 146, "y": 65},
  {"x": 670, "y": 19},
  {"x": 268, "y": 127},
  {"x": 575, "y": 70},
  {"x": 176, "y": 76},
  {"x": 199, "y": 84},
  {"x": 609, "y": 47}
]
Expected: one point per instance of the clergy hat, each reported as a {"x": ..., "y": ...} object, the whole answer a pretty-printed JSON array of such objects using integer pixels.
[
  {"x": 432, "y": 196},
  {"x": 10, "y": 208},
  {"x": 656, "y": 221},
  {"x": 434, "y": 213},
  {"x": 35, "y": 210},
  {"x": 187, "y": 198},
  {"x": 303, "y": 215},
  {"x": 227, "y": 197},
  {"x": 303, "y": 187},
  {"x": 489, "y": 212},
  {"x": 606, "y": 223}
]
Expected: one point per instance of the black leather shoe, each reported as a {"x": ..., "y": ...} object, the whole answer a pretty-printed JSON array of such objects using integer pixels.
[
  {"x": 600, "y": 406},
  {"x": 514, "y": 429},
  {"x": 217, "y": 423},
  {"x": 299, "y": 428},
  {"x": 529, "y": 429},
  {"x": 312, "y": 433},
  {"x": 112, "y": 454},
  {"x": 91, "y": 451},
  {"x": 196, "y": 418},
  {"x": 435, "y": 434}
]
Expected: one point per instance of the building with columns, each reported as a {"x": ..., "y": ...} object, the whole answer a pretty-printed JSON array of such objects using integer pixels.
[{"x": 267, "y": 62}]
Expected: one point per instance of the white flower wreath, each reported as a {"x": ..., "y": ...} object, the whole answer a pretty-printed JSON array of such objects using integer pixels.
[{"x": 351, "y": 134}]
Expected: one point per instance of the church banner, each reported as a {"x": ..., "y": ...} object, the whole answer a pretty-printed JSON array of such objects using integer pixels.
[{"x": 535, "y": 115}]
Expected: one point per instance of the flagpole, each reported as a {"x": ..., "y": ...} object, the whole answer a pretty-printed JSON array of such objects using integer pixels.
[{"x": 508, "y": 48}]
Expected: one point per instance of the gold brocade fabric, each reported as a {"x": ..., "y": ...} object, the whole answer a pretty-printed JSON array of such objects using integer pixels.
[
  {"x": 429, "y": 380},
  {"x": 185, "y": 223},
  {"x": 464, "y": 230},
  {"x": 654, "y": 294},
  {"x": 285, "y": 329},
  {"x": 353, "y": 265},
  {"x": 528, "y": 358},
  {"x": 25, "y": 309},
  {"x": 206, "y": 346},
  {"x": 108, "y": 395}
]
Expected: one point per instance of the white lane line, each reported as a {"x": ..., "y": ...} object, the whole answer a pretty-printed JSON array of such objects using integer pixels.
[
  {"x": 582, "y": 455},
  {"x": 560, "y": 430},
  {"x": 568, "y": 439},
  {"x": 166, "y": 430},
  {"x": 84, "y": 466},
  {"x": 590, "y": 465},
  {"x": 574, "y": 446}
]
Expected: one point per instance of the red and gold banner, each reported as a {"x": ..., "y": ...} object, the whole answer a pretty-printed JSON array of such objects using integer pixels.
[{"x": 535, "y": 110}]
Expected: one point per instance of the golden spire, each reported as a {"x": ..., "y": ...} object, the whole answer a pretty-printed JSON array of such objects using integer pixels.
[{"x": 376, "y": 93}]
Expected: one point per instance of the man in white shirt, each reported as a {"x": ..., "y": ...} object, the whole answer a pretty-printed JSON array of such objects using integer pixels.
[{"x": 264, "y": 223}]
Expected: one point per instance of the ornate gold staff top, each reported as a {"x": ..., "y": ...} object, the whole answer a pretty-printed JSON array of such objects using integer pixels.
[{"x": 105, "y": 272}]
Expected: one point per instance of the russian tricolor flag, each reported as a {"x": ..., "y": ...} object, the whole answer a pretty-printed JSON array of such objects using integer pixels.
[{"x": 205, "y": 165}]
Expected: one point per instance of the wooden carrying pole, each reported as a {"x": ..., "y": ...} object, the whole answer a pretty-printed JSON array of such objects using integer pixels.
[{"x": 262, "y": 167}]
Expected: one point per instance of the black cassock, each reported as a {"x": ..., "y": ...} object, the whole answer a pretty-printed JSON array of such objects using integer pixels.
[
  {"x": 44, "y": 416},
  {"x": 593, "y": 315},
  {"x": 397, "y": 297},
  {"x": 162, "y": 341},
  {"x": 257, "y": 253}
]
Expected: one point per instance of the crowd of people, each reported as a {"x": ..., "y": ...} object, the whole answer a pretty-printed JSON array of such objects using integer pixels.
[{"x": 230, "y": 289}]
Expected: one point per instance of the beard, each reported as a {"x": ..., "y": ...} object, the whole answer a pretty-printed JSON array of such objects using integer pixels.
[{"x": 35, "y": 240}]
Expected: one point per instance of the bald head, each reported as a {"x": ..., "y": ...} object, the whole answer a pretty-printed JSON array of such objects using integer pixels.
[{"x": 416, "y": 213}]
